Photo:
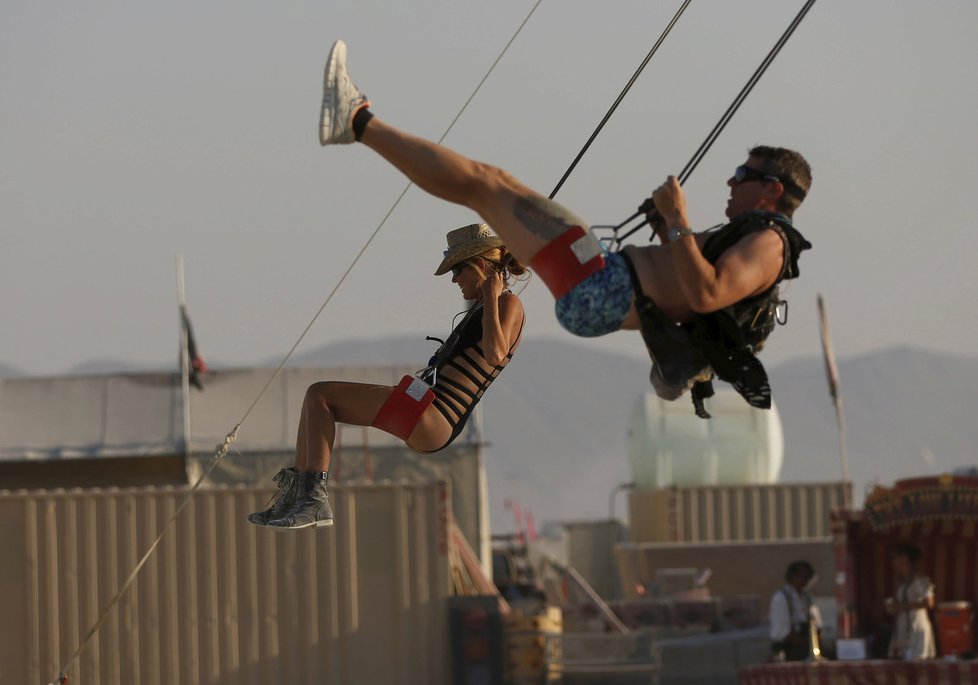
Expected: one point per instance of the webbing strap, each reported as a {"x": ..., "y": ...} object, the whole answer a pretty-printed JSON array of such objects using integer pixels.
[
  {"x": 403, "y": 409},
  {"x": 567, "y": 260}
]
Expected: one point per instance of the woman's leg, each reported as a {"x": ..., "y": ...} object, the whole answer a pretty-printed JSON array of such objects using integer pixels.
[{"x": 325, "y": 404}]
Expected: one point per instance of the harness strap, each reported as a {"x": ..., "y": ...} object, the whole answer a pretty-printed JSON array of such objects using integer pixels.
[
  {"x": 567, "y": 260},
  {"x": 675, "y": 360},
  {"x": 681, "y": 354},
  {"x": 403, "y": 409}
]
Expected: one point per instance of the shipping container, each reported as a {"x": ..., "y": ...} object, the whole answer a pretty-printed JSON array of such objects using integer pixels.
[
  {"x": 221, "y": 600},
  {"x": 725, "y": 513}
]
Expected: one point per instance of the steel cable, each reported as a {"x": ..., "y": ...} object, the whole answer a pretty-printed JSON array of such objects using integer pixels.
[
  {"x": 614, "y": 105},
  {"x": 647, "y": 207},
  {"x": 223, "y": 448}
]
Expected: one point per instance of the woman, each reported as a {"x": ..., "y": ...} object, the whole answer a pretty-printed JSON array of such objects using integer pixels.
[
  {"x": 427, "y": 412},
  {"x": 913, "y": 637}
]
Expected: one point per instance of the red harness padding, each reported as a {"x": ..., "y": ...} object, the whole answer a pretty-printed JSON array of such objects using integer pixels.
[
  {"x": 403, "y": 409},
  {"x": 567, "y": 260}
]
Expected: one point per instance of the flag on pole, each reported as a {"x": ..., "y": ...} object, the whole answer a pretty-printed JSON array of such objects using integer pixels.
[
  {"x": 832, "y": 373},
  {"x": 831, "y": 370},
  {"x": 196, "y": 364}
]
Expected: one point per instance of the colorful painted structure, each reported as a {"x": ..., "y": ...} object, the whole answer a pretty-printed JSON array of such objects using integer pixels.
[{"x": 939, "y": 515}]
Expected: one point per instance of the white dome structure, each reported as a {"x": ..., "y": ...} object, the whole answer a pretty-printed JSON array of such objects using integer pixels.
[{"x": 669, "y": 445}]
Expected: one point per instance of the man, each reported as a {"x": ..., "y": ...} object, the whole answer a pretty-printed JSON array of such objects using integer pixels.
[
  {"x": 694, "y": 279},
  {"x": 791, "y": 614}
]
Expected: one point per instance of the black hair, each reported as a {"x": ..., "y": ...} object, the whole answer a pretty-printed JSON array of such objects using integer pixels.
[
  {"x": 799, "y": 568},
  {"x": 913, "y": 554},
  {"x": 790, "y": 166}
]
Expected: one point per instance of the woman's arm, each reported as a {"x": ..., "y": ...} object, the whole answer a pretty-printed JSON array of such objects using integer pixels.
[
  {"x": 500, "y": 319},
  {"x": 922, "y": 591},
  {"x": 926, "y": 603}
]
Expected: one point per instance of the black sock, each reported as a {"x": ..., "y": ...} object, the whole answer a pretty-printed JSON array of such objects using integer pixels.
[{"x": 360, "y": 120}]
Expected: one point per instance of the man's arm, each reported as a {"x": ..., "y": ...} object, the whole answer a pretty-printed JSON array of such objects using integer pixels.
[{"x": 748, "y": 268}]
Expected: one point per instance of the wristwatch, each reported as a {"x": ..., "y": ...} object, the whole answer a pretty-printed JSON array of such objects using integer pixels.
[{"x": 677, "y": 233}]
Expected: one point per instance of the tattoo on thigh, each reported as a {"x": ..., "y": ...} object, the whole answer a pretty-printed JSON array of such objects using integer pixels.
[{"x": 544, "y": 217}]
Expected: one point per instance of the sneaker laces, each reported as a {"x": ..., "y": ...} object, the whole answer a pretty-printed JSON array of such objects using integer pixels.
[{"x": 280, "y": 478}]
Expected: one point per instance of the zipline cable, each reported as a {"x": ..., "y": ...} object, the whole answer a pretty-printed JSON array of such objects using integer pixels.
[
  {"x": 624, "y": 92},
  {"x": 704, "y": 147},
  {"x": 745, "y": 91},
  {"x": 223, "y": 448},
  {"x": 386, "y": 217}
]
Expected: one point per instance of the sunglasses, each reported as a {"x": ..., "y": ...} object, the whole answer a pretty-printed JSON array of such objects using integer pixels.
[
  {"x": 458, "y": 268},
  {"x": 744, "y": 174}
]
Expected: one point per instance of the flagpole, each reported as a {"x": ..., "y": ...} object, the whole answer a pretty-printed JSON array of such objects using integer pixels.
[
  {"x": 184, "y": 357},
  {"x": 843, "y": 451},
  {"x": 832, "y": 374}
]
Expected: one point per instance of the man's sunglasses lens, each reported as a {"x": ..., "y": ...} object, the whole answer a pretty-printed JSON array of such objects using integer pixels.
[{"x": 745, "y": 173}]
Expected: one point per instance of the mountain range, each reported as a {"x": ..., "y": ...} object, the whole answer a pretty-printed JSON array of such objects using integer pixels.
[{"x": 556, "y": 420}]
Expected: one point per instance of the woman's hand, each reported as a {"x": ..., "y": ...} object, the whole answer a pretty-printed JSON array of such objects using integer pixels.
[{"x": 492, "y": 286}]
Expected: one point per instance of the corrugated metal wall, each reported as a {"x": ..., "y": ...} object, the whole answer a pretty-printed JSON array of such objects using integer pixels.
[
  {"x": 739, "y": 568},
  {"x": 222, "y": 600},
  {"x": 734, "y": 512},
  {"x": 591, "y": 551}
]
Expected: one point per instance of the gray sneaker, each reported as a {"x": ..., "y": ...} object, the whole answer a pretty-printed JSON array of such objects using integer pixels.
[
  {"x": 287, "y": 481},
  {"x": 341, "y": 100},
  {"x": 311, "y": 505}
]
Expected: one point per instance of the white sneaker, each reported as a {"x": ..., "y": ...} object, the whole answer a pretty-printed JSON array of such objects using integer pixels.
[{"x": 341, "y": 100}]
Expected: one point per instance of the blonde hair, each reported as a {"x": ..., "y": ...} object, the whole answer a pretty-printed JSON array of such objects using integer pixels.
[{"x": 502, "y": 260}]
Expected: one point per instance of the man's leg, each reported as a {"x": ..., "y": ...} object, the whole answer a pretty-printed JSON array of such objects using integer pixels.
[{"x": 524, "y": 219}]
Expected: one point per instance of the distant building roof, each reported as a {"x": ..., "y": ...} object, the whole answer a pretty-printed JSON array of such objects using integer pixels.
[{"x": 142, "y": 414}]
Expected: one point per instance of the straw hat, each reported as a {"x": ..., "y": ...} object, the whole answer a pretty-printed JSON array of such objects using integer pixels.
[{"x": 467, "y": 242}]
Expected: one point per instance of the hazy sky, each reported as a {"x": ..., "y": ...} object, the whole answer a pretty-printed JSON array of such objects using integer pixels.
[{"x": 131, "y": 131}]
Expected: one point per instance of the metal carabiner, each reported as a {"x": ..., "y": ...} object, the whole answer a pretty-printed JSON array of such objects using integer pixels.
[{"x": 781, "y": 312}]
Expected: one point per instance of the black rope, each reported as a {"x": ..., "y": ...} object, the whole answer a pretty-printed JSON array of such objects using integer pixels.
[
  {"x": 621, "y": 97},
  {"x": 648, "y": 207}
]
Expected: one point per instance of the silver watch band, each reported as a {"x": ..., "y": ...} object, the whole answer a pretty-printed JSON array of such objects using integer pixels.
[{"x": 677, "y": 233}]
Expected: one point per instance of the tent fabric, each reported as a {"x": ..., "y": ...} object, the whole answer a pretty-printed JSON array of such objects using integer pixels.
[{"x": 142, "y": 414}]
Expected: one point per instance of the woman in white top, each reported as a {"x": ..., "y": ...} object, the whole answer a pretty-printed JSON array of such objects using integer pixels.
[{"x": 913, "y": 637}]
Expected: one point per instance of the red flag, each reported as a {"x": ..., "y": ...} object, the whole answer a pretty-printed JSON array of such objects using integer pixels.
[{"x": 196, "y": 364}]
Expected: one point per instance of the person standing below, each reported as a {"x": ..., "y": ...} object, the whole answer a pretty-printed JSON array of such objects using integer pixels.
[
  {"x": 913, "y": 637},
  {"x": 791, "y": 614}
]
